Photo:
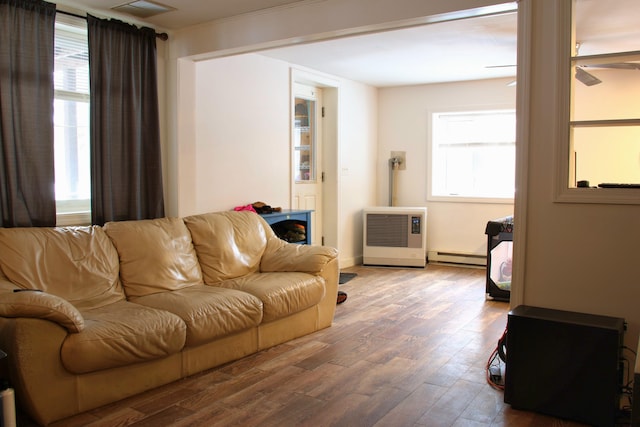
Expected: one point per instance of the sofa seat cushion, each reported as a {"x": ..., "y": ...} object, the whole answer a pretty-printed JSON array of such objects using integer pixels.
[
  {"x": 208, "y": 312},
  {"x": 121, "y": 334},
  {"x": 155, "y": 255},
  {"x": 281, "y": 293}
]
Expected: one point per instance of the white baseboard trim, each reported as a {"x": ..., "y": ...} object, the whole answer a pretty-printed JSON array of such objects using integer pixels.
[{"x": 457, "y": 258}]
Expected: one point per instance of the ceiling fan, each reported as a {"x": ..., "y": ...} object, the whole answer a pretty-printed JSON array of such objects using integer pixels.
[
  {"x": 585, "y": 77},
  {"x": 589, "y": 79}
]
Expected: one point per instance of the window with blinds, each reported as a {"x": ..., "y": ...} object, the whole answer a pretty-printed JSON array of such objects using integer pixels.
[
  {"x": 473, "y": 155},
  {"x": 71, "y": 121}
]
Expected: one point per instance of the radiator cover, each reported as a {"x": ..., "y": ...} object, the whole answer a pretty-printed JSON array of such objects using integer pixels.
[{"x": 394, "y": 236}]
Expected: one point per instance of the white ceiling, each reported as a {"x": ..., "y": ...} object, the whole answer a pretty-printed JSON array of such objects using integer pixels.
[
  {"x": 467, "y": 49},
  {"x": 187, "y": 12},
  {"x": 464, "y": 49}
]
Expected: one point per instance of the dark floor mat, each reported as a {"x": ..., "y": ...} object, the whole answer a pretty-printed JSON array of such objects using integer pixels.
[{"x": 345, "y": 277}]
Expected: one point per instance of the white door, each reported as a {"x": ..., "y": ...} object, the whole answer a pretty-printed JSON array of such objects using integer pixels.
[{"x": 307, "y": 155}]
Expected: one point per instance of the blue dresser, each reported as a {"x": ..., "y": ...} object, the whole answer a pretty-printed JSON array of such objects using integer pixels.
[{"x": 293, "y": 226}]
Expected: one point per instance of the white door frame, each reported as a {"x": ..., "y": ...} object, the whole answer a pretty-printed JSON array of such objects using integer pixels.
[{"x": 329, "y": 147}]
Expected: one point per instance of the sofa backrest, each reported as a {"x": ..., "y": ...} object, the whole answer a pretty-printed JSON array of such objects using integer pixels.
[
  {"x": 156, "y": 255},
  {"x": 79, "y": 264},
  {"x": 229, "y": 244}
]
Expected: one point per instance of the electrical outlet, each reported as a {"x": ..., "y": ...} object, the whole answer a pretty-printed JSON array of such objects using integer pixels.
[{"x": 402, "y": 155}]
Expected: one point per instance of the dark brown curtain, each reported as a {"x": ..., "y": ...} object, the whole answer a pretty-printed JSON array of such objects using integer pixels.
[
  {"x": 125, "y": 132},
  {"x": 27, "y": 190}
]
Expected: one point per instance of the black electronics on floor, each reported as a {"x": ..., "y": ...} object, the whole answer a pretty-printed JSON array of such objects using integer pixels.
[
  {"x": 499, "y": 254},
  {"x": 564, "y": 364}
]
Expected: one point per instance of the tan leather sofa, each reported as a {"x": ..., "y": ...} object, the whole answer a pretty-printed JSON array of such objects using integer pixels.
[{"x": 133, "y": 305}]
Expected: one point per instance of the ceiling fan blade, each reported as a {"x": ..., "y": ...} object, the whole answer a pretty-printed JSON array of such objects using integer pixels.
[
  {"x": 617, "y": 66},
  {"x": 586, "y": 78},
  {"x": 499, "y": 66}
]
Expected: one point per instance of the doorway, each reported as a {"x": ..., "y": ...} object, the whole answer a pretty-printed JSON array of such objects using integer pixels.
[
  {"x": 314, "y": 153},
  {"x": 307, "y": 155}
]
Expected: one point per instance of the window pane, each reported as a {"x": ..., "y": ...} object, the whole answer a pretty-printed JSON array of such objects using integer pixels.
[
  {"x": 461, "y": 128},
  {"x": 304, "y": 140},
  {"x": 617, "y": 97},
  {"x": 71, "y": 55},
  {"x": 606, "y": 154},
  {"x": 71, "y": 122},
  {"x": 606, "y": 26}
]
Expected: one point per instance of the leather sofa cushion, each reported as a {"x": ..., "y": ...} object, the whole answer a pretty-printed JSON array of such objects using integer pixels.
[
  {"x": 155, "y": 255},
  {"x": 229, "y": 244},
  {"x": 208, "y": 312},
  {"x": 281, "y": 294},
  {"x": 41, "y": 305},
  {"x": 121, "y": 334},
  {"x": 78, "y": 264}
]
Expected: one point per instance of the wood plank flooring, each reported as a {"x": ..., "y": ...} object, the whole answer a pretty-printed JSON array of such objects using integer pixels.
[{"x": 407, "y": 348}]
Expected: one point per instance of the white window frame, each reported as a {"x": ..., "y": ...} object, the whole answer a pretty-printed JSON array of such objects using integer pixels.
[
  {"x": 564, "y": 76},
  {"x": 431, "y": 153}
]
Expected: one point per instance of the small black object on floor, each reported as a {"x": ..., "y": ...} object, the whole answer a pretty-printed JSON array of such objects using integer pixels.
[{"x": 345, "y": 277}]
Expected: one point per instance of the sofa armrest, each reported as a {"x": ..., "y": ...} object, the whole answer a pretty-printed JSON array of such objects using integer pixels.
[
  {"x": 282, "y": 256},
  {"x": 320, "y": 261},
  {"x": 41, "y": 305},
  {"x": 44, "y": 388}
]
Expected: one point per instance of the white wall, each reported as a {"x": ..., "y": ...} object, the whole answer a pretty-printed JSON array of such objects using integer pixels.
[
  {"x": 358, "y": 172},
  {"x": 242, "y": 133},
  {"x": 403, "y": 123},
  {"x": 241, "y": 151},
  {"x": 571, "y": 256}
]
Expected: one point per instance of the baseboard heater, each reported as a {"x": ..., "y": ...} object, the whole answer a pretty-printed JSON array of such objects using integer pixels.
[{"x": 457, "y": 258}]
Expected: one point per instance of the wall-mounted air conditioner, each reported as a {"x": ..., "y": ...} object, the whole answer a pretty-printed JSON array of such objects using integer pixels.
[{"x": 395, "y": 236}]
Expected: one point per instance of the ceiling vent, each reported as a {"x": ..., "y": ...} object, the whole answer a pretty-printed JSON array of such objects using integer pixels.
[{"x": 143, "y": 8}]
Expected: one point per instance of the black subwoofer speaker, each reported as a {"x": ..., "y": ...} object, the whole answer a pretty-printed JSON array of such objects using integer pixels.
[{"x": 564, "y": 364}]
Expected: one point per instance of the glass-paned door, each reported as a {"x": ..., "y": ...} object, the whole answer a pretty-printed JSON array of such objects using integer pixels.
[
  {"x": 304, "y": 140},
  {"x": 307, "y": 155}
]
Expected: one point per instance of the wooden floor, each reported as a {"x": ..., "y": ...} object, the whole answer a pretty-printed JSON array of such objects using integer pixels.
[{"x": 408, "y": 348}]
